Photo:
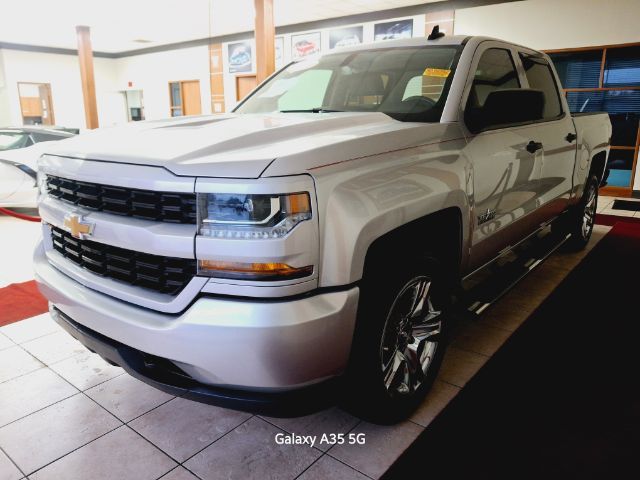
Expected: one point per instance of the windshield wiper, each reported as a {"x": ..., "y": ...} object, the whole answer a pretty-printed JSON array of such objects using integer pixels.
[{"x": 312, "y": 110}]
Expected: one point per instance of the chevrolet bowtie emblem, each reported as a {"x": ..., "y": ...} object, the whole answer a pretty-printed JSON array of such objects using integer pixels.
[{"x": 76, "y": 227}]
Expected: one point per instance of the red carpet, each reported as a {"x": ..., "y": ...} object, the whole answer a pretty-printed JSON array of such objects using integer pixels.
[
  {"x": 19, "y": 301},
  {"x": 611, "y": 220}
]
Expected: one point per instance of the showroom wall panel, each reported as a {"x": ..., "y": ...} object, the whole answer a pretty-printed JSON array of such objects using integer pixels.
[
  {"x": 152, "y": 73},
  {"x": 62, "y": 73},
  {"x": 552, "y": 24},
  {"x": 289, "y": 39}
]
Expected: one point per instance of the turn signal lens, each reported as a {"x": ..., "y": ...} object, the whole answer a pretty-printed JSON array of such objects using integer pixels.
[{"x": 252, "y": 271}]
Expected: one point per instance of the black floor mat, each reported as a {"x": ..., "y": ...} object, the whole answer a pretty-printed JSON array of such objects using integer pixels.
[
  {"x": 561, "y": 398},
  {"x": 626, "y": 205}
]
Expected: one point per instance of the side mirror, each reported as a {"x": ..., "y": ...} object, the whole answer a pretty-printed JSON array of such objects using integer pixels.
[{"x": 507, "y": 107}]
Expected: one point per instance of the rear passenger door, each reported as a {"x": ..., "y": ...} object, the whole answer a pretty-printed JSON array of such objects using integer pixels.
[
  {"x": 555, "y": 133},
  {"x": 505, "y": 174}
]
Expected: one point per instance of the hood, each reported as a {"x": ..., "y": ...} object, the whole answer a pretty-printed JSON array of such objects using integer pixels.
[{"x": 243, "y": 145}]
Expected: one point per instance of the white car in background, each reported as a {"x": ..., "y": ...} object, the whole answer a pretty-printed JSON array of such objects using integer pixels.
[
  {"x": 18, "y": 176},
  {"x": 20, "y": 148}
]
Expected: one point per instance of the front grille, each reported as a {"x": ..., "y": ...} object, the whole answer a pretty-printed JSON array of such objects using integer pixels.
[
  {"x": 163, "y": 274},
  {"x": 147, "y": 204}
]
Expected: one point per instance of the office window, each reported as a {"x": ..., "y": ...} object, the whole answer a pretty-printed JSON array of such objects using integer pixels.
[
  {"x": 607, "y": 79},
  {"x": 622, "y": 67},
  {"x": 578, "y": 69}
]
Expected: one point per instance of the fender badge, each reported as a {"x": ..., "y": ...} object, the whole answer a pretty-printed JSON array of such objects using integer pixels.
[{"x": 486, "y": 216}]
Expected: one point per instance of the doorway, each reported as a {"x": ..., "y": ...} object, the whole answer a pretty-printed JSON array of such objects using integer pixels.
[
  {"x": 245, "y": 85},
  {"x": 36, "y": 104},
  {"x": 185, "y": 98},
  {"x": 135, "y": 105}
]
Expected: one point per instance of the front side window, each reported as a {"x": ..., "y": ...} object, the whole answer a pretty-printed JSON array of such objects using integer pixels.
[
  {"x": 495, "y": 71},
  {"x": 406, "y": 83},
  {"x": 540, "y": 77}
]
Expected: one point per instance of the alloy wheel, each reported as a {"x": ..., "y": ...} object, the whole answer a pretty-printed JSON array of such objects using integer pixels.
[
  {"x": 410, "y": 337},
  {"x": 589, "y": 214}
]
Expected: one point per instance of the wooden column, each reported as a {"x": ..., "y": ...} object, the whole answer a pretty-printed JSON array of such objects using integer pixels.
[
  {"x": 85, "y": 56},
  {"x": 265, "y": 39}
]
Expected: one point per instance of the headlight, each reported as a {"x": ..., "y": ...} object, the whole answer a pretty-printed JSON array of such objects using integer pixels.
[{"x": 253, "y": 217}]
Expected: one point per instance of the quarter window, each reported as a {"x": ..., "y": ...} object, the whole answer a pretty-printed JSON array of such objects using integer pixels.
[{"x": 540, "y": 77}]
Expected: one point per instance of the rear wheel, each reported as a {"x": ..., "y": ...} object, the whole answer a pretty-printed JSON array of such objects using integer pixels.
[{"x": 399, "y": 341}]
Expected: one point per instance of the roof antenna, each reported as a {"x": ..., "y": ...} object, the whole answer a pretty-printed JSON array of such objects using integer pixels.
[{"x": 435, "y": 33}]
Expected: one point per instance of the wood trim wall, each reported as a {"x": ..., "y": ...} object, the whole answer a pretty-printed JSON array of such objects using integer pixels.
[
  {"x": 265, "y": 32},
  {"x": 216, "y": 73}
]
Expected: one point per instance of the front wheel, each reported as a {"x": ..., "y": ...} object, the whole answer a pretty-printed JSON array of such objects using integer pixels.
[
  {"x": 581, "y": 221},
  {"x": 399, "y": 341}
]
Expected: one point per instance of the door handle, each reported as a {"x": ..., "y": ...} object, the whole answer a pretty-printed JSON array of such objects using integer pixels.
[
  {"x": 533, "y": 147},
  {"x": 570, "y": 137}
]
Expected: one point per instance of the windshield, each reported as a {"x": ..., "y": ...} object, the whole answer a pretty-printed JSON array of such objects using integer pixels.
[
  {"x": 12, "y": 140},
  {"x": 406, "y": 83}
]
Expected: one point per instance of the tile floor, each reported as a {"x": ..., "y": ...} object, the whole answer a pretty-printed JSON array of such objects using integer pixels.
[
  {"x": 605, "y": 206},
  {"x": 67, "y": 414}
]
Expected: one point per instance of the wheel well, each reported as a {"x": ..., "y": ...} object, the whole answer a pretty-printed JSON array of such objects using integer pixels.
[
  {"x": 598, "y": 163},
  {"x": 438, "y": 234}
]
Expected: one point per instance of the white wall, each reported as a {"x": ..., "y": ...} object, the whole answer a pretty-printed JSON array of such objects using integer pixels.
[
  {"x": 5, "y": 113},
  {"x": 152, "y": 73},
  {"x": 62, "y": 72},
  {"x": 551, "y": 24}
]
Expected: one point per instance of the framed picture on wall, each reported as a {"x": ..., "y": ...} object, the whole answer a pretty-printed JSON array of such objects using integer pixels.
[
  {"x": 279, "y": 51},
  {"x": 240, "y": 57},
  {"x": 305, "y": 44},
  {"x": 345, "y": 37},
  {"x": 393, "y": 30}
]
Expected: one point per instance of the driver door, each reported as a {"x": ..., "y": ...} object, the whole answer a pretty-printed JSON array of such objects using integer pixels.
[{"x": 505, "y": 173}]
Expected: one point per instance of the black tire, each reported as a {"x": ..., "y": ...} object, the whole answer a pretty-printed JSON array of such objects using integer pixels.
[
  {"x": 580, "y": 221},
  {"x": 385, "y": 290}
]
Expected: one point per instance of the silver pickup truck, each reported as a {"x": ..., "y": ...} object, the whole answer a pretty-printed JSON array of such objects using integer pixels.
[{"x": 315, "y": 234}]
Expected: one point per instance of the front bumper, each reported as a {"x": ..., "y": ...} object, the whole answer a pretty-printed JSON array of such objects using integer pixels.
[{"x": 260, "y": 346}]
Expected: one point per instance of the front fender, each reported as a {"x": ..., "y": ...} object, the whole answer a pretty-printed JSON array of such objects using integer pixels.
[{"x": 376, "y": 195}]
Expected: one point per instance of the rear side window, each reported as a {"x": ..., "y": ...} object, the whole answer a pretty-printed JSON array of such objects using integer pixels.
[
  {"x": 540, "y": 77},
  {"x": 495, "y": 71}
]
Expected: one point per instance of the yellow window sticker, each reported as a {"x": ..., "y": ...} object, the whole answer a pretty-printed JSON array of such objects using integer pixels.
[{"x": 436, "y": 72}]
